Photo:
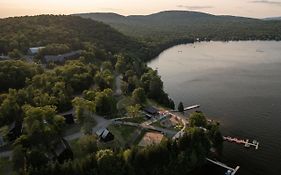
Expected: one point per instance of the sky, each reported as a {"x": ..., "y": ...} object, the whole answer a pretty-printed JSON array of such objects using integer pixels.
[{"x": 247, "y": 8}]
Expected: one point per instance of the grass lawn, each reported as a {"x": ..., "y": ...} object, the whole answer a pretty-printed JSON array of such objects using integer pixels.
[
  {"x": 135, "y": 120},
  {"x": 124, "y": 102},
  {"x": 75, "y": 148},
  {"x": 122, "y": 133},
  {"x": 71, "y": 129},
  {"x": 6, "y": 166},
  {"x": 157, "y": 124},
  {"x": 140, "y": 137}
]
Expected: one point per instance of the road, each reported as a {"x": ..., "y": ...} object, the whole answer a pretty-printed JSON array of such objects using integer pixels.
[
  {"x": 101, "y": 123},
  {"x": 118, "y": 90}
]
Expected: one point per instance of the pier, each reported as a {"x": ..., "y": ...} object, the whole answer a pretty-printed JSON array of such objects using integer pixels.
[
  {"x": 191, "y": 107},
  {"x": 246, "y": 142},
  {"x": 230, "y": 171}
]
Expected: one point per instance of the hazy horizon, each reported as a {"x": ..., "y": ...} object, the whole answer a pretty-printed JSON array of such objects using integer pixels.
[{"x": 245, "y": 8}]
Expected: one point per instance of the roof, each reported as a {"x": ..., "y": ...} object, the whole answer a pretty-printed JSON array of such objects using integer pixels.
[
  {"x": 100, "y": 131},
  {"x": 105, "y": 133},
  {"x": 62, "y": 57},
  {"x": 151, "y": 110},
  {"x": 35, "y": 50}
]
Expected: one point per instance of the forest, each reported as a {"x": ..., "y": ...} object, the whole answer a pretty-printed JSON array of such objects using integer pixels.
[{"x": 171, "y": 26}]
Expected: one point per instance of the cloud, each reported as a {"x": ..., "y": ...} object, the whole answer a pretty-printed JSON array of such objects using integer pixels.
[
  {"x": 267, "y": 2},
  {"x": 195, "y": 7}
]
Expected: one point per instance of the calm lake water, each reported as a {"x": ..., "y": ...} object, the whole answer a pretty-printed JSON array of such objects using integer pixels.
[{"x": 238, "y": 84}]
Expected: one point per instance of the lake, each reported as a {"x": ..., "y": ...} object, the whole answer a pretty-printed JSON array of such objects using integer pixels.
[{"x": 238, "y": 84}]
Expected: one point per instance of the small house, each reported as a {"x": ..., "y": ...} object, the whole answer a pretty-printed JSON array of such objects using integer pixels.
[
  {"x": 105, "y": 135},
  {"x": 34, "y": 50},
  {"x": 62, "y": 151},
  {"x": 68, "y": 117},
  {"x": 151, "y": 110},
  {"x": 63, "y": 57},
  {"x": 15, "y": 130}
]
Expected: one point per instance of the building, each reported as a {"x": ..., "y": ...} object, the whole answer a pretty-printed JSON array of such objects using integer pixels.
[
  {"x": 63, "y": 57},
  {"x": 15, "y": 130},
  {"x": 151, "y": 110},
  {"x": 104, "y": 135},
  {"x": 34, "y": 50},
  {"x": 60, "y": 152},
  {"x": 3, "y": 57},
  {"x": 63, "y": 151},
  {"x": 68, "y": 117}
]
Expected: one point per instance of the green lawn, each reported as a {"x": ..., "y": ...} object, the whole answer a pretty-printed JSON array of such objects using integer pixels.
[
  {"x": 135, "y": 120},
  {"x": 6, "y": 167},
  {"x": 124, "y": 102},
  {"x": 71, "y": 129},
  {"x": 122, "y": 133}
]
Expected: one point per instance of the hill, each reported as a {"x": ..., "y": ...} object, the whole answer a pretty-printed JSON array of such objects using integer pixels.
[
  {"x": 172, "y": 25},
  {"x": 273, "y": 18},
  {"x": 22, "y": 33}
]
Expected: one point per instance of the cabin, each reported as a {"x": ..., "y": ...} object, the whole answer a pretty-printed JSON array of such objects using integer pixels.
[
  {"x": 62, "y": 58},
  {"x": 68, "y": 119},
  {"x": 34, "y": 50},
  {"x": 2, "y": 142},
  {"x": 15, "y": 131},
  {"x": 3, "y": 57},
  {"x": 105, "y": 135},
  {"x": 151, "y": 110},
  {"x": 62, "y": 151}
]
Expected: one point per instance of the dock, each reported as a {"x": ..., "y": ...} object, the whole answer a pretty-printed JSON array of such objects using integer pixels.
[
  {"x": 230, "y": 171},
  {"x": 191, "y": 107},
  {"x": 246, "y": 142}
]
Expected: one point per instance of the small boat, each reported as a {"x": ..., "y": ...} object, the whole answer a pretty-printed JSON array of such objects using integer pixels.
[{"x": 247, "y": 145}]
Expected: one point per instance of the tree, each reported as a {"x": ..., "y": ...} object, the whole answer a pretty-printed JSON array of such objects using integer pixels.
[
  {"x": 120, "y": 65},
  {"x": 10, "y": 108},
  {"x": 197, "y": 119},
  {"x": 139, "y": 95},
  {"x": 13, "y": 73},
  {"x": 133, "y": 110},
  {"x": 88, "y": 144},
  {"x": 18, "y": 157},
  {"x": 83, "y": 109},
  {"x": 105, "y": 102},
  {"x": 15, "y": 54},
  {"x": 42, "y": 122},
  {"x": 180, "y": 107}
]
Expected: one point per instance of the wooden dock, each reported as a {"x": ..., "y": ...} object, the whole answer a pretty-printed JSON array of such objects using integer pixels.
[
  {"x": 230, "y": 171},
  {"x": 191, "y": 107},
  {"x": 246, "y": 142}
]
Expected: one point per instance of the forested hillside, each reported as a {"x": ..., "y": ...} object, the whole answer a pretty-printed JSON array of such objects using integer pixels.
[
  {"x": 20, "y": 33},
  {"x": 172, "y": 25}
]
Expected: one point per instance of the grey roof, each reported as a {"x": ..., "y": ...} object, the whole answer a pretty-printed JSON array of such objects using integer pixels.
[
  {"x": 104, "y": 134},
  {"x": 35, "y": 50},
  {"x": 62, "y": 57},
  {"x": 150, "y": 110}
]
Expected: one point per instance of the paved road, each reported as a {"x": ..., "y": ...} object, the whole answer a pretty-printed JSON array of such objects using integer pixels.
[
  {"x": 118, "y": 90},
  {"x": 8, "y": 154},
  {"x": 101, "y": 123}
]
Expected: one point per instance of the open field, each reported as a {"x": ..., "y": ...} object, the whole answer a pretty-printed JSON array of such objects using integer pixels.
[{"x": 151, "y": 138}]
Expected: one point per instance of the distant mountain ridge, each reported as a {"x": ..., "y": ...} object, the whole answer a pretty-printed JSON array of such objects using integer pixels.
[
  {"x": 273, "y": 18},
  {"x": 168, "y": 25}
]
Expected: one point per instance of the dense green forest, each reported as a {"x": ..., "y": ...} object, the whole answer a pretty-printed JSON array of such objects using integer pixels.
[
  {"x": 169, "y": 26},
  {"x": 20, "y": 33}
]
